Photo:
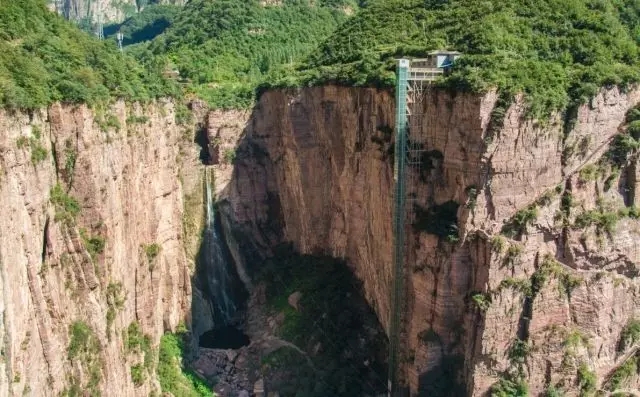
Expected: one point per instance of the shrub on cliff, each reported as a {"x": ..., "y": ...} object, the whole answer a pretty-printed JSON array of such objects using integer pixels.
[
  {"x": 630, "y": 335},
  {"x": 67, "y": 207},
  {"x": 173, "y": 377},
  {"x": 510, "y": 388},
  {"x": 557, "y": 52}
]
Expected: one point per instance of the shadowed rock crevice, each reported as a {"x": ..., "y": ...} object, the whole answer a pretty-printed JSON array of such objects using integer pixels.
[
  {"x": 225, "y": 337},
  {"x": 208, "y": 153}
]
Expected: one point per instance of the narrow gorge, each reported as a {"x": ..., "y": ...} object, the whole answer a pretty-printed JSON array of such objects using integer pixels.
[
  {"x": 198, "y": 198},
  {"x": 530, "y": 262},
  {"x": 313, "y": 168}
]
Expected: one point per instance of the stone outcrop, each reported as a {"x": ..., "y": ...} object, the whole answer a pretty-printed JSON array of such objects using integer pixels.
[
  {"x": 92, "y": 237},
  {"x": 112, "y": 10},
  {"x": 515, "y": 267}
]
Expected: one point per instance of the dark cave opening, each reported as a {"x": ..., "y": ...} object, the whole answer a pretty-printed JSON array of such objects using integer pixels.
[
  {"x": 227, "y": 337},
  {"x": 208, "y": 153}
]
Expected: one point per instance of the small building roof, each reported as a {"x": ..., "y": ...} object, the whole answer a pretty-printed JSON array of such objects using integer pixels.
[{"x": 444, "y": 52}]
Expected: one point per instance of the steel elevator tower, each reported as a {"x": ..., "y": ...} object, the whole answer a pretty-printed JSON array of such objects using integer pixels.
[
  {"x": 414, "y": 79},
  {"x": 99, "y": 21}
]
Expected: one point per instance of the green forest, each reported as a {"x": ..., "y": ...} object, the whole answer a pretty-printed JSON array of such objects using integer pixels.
[
  {"x": 44, "y": 59},
  {"x": 225, "y": 48},
  {"x": 558, "y": 52}
]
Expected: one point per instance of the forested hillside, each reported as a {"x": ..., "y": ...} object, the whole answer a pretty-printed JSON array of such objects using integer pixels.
[
  {"x": 153, "y": 20},
  {"x": 556, "y": 51},
  {"x": 223, "y": 50},
  {"x": 226, "y": 47},
  {"x": 44, "y": 58}
]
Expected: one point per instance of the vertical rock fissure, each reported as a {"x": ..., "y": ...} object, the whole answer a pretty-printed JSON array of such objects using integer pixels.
[
  {"x": 54, "y": 156},
  {"x": 135, "y": 294},
  {"x": 44, "y": 240}
]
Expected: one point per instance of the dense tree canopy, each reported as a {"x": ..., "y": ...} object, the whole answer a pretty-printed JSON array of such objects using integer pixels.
[
  {"x": 44, "y": 59},
  {"x": 226, "y": 47},
  {"x": 556, "y": 51}
]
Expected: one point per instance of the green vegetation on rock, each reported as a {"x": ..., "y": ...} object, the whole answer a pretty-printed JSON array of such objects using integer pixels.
[
  {"x": 44, "y": 58},
  {"x": 173, "y": 376},
  {"x": 626, "y": 144},
  {"x": 517, "y": 225},
  {"x": 482, "y": 301},
  {"x": 93, "y": 244},
  {"x": 152, "y": 251},
  {"x": 38, "y": 152},
  {"x": 587, "y": 380},
  {"x": 67, "y": 207},
  {"x": 136, "y": 341},
  {"x": 510, "y": 388},
  {"x": 83, "y": 340},
  {"x": 512, "y": 383},
  {"x": 84, "y": 348},
  {"x": 605, "y": 217},
  {"x": 553, "y": 391},
  {"x": 624, "y": 372},
  {"x": 630, "y": 334},
  {"x": 116, "y": 298},
  {"x": 558, "y": 52}
]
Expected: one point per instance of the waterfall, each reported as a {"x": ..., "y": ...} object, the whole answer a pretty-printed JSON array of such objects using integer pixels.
[{"x": 216, "y": 263}]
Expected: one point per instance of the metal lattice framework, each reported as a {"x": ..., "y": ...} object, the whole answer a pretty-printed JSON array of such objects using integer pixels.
[
  {"x": 412, "y": 87},
  {"x": 99, "y": 21}
]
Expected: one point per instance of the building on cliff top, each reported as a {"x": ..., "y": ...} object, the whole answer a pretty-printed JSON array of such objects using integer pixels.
[{"x": 433, "y": 66}]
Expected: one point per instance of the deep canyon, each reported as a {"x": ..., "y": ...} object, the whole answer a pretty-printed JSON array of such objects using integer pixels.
[{"x": 106, "y": 215}]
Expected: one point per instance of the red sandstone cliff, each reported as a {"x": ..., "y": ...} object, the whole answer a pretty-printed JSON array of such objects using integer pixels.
[{"x": 314, "y": 168}]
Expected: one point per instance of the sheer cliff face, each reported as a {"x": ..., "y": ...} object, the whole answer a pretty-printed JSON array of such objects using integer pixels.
[
  {"x": 315, "y": 168},
  {"x": 102, "y": 250},
  {"x": 80, "y": 9},
  {"x": 112, "y": 10}
]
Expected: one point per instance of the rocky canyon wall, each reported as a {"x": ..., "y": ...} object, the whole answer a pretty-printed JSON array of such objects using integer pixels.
[
  {"x": 522, "y": 262},
  {"x": 112, "y": 10},
  {"x": 508, "y": 252},
  {"x": 97, "y": 244}
]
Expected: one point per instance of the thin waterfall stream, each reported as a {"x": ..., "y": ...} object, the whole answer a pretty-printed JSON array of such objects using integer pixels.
[
  {"x": 217, "y": 263},
  {"x": 216, "y": 269}
]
